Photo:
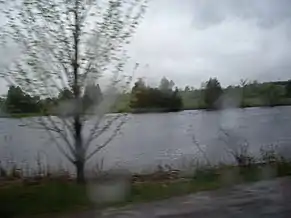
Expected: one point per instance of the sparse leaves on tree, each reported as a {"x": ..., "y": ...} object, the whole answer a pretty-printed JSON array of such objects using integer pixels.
[{"x": 65, "y": 45}]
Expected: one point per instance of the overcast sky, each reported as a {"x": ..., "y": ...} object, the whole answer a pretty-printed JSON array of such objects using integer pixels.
[{"x": 191, "y": 40}]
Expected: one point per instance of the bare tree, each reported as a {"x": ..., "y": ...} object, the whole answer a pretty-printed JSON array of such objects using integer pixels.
[{"x": 65, "y": 44}]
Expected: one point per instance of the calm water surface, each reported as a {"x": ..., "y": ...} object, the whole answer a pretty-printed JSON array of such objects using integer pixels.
[{"x": 151, "y": 139}]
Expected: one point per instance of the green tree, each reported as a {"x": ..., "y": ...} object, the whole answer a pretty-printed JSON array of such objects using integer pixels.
[
  {"x": 65, "y": 94},
  {"x": 166, "y": 85},
  {"x": 92, "y": 96},
  {"x": 212, "y": 93},
  {"x": 187, "y": 89},
  {"x": 19, "y": 102},
  {"x": 272, "y": 94},
  {"x": 288, "y": 89},
  {"x": 176, "y": 100},
  {"x": 139, "y": 95},
  {"x": 68, "y": 43},
  {"x": 148, "y": 98}
]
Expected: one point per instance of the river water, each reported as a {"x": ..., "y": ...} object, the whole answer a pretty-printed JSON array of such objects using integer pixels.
[{"x": 167, "y": 138}]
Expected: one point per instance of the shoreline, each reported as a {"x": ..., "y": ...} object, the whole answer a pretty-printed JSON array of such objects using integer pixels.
[{"x": 144, "y": 111}]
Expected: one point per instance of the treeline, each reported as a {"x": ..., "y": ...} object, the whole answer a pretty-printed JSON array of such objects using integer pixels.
[
  {"x": 164, "y": 98},
  {"x": 211, "y": 95},
  {"x": 142, "y": 98},
  {"x": 246, "y": 94},
  {"x": 19, "y": 102}
]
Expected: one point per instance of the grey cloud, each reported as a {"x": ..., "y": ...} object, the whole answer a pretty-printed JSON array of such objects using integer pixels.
[
  {"x": 239, "y": 39},
  {"x": 266, "y": 13},
  {"x": 192, "y": 40}
]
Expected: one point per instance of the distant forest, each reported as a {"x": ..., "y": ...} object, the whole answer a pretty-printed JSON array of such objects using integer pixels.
[{"x": 164, "y": 98}]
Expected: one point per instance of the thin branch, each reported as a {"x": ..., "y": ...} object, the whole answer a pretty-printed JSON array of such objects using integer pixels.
[
  {"x": 114, "y": 134},
  {"x": 61, "y": 148},
  {"x": 61, "y": 133},
  {"x": 94, "y": 134},
  {"x": 53, "y": 138},
  {"x": 53, "y": 47}
]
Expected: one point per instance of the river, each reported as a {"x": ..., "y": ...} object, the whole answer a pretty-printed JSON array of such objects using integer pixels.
[{"x": 165, "y": 138}]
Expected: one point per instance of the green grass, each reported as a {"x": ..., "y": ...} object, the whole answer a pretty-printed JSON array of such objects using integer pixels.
[
  {"x": 204, "y": 179},
  {"x": 150, "y": 191},
  {"x": 47, "y": 197},
  {"x": 21, "y": 115},
  {"x": 50, "y": 197}
]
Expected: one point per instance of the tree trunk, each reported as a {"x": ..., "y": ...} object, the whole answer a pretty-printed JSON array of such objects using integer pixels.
[
  {"x": 80, "y": 166},
  {"x": 80, "y": 154}
]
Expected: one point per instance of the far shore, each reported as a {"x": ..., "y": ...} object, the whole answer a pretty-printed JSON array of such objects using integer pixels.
[{"x": 145, "y": 110}]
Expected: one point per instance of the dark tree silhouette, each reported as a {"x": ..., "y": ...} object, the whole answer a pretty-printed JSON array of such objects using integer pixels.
[
  {"x": 19, "y": 102},
  {"x": 288, "y": 89},
  {"x": 145, "y": 98},
  {"x": 212, "y": 93}
]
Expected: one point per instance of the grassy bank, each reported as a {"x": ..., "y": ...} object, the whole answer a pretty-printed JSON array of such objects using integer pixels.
[
  {"x": 50, "y": 195},
  {"x": 208, "y": 178},
  {"x": 20, "y": 199}
]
